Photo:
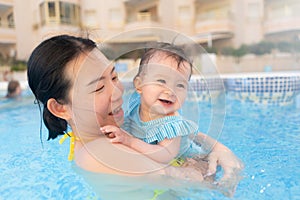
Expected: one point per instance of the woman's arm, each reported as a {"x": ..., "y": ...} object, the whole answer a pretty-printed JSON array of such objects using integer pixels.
[
  {"x": 163, "y": 152},
  {"x": 100, "y": 155},
  {"x": 218, "y": 154}
]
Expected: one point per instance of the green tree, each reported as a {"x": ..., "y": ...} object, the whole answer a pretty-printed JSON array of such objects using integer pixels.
[
  {"x": 236, "y": 53},
  {"x": 19, "y": 65},
  {"x": 227, "y": 51},
  {"x": 263, "y": 47}
]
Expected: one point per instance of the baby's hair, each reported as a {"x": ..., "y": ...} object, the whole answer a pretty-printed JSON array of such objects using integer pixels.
[{"x": 167, "y": 50}]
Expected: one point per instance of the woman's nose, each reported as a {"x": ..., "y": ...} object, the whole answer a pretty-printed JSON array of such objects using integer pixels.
[{"x": 117, "y": 91}]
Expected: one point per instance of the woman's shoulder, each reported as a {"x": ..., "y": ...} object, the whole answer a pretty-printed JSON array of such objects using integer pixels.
[
  {"x": 101, "y": 156},
  {"x": 88, "y": 157},
  {"x": 85, "y": 160}
]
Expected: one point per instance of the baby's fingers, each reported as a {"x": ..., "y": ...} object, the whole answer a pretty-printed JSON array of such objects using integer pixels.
[
  {"x": 115, "y": 140},
  {"x": 108, "y": 131}
]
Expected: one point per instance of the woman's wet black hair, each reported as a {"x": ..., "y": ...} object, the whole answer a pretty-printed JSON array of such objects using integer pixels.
[{"x": 47, "y": 78}]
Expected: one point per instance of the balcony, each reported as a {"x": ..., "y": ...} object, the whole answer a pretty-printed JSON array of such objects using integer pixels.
[
  {"x": 214, "y": 26},
  {"x": 279, "y": 25},
  {"x": 142, "y": 19},
  {"x": 209, "y": 30},
  {"x": 7, "y": 24},
  {"x": 6, "y": 2},
  {"x": 7, "y": 35},
  {"x": 133, "y": 3}
]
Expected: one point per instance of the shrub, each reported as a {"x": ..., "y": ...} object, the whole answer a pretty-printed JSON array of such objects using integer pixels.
[
  {"x": 19, "y": 65},
  {"x": 261, "y": 48}
]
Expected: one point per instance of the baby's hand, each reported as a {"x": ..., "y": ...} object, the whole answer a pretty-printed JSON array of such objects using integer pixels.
[
  {"x": 109, "y": 131},
  {"x": 116, "y": 134}
]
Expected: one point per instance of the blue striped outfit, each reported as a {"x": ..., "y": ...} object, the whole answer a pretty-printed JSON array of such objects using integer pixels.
[{"x": 157, "y": 130}]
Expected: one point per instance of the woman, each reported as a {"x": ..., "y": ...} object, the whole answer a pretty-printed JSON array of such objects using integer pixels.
[{"x": 78, "y": 86}]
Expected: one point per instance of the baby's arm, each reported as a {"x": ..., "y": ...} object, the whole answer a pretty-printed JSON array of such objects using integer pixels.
[{"x": 163, "y": 152}]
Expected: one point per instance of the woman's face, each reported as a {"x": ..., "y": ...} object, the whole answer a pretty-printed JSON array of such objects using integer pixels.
[{"x": 96, "y": 94}]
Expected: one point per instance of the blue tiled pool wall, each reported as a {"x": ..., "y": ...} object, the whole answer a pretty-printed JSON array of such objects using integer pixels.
[
  {"x": 204, "y": 89},
  {"x": 271, "y": 90},
  {"x": 263, "y": 84},
  {"x": 278, "y": 90}
]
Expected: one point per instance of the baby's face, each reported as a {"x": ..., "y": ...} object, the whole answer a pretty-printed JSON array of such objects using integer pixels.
[{"x": 164, "y": 85}]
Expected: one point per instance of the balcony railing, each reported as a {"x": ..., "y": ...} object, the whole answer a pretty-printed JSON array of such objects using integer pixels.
[
  {"x": 7, "y": 35},
  {"x": 7, "y": 25},
  {"x": 214, "y": 26},
  {"x": 142, "y": 19},
  {"x": 272, "y": 26},
  {"x": 7, "y": 2}
]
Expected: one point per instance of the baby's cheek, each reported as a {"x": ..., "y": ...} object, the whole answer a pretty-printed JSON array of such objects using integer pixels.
[{"x": 181, "y": 97}]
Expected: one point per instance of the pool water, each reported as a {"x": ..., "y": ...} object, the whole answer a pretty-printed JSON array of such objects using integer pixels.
[
  {"x": 30, "y": 170},
  {"x": 266, "y": 138}
]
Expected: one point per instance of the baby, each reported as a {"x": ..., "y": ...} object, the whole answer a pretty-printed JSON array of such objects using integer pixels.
[{"x": 153, "y": 125}]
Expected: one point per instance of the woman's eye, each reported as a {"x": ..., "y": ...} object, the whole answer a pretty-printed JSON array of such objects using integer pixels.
[
  {"x": 115, "y": 78},
  {"x": 161, "y": 81},
  {"x": 99, "y": 89}
]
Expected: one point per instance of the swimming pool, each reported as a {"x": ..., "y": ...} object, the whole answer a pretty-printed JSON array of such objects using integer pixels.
[{"x": 265, "y": 136}]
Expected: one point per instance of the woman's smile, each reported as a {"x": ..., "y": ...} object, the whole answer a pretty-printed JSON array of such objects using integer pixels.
[{"x": 117, "y": 114}]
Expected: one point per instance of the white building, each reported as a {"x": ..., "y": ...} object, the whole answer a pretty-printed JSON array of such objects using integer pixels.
[{"x": 24, "y": 23}]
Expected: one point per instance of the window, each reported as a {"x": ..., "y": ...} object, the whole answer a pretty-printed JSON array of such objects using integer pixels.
[
  {"x": 68, "y": 13},
  {"x": 51, "y": 9},
  {"x": 90, "y": 18},
  {"x": 10, "y": 19},
  {"x": 218, "y": 12},
  {"x": 42, "y": 13},
  {"x": 59, "y": 12},
  {"x": 287, "y": 11},
  {"x": 115, "y": 18},
  {"x": 115, "y": 15},
  {"x": 184, "y": 13},
  {"x": 281, "y": 10},
  {"x": 65, "y": 12},
  {"x": 254, "y": 10}
]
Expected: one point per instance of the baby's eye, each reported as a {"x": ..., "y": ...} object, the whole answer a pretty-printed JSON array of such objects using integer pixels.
[
  {"x": 161, "y": 81},
  {"x": 181, "y": 85}
]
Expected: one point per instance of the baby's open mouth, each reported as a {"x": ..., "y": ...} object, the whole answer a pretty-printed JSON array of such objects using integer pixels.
[{"x": 165, "y": 101}]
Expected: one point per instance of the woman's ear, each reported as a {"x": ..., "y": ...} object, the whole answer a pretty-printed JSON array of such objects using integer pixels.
[
  {"x": 138, "y": 84},
  {"x": 57, "y": 109}
]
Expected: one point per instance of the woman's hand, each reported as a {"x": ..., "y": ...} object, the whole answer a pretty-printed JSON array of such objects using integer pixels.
[
  {"x": 232, "y": 167},
  {"x": 220, "y": 155}
]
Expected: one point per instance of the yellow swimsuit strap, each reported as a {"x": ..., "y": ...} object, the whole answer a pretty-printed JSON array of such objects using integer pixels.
[
  {"x": 157, "y": 193},
  {"x": 177, "y": 162},
  {"x": 72, "y": 143}
]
